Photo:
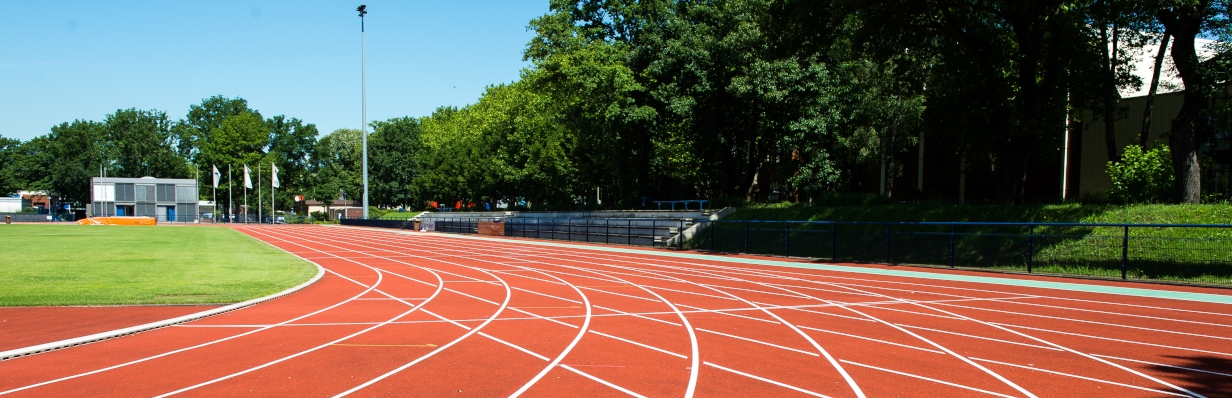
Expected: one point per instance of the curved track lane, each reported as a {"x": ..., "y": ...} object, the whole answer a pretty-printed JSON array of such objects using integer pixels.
[{"x": 412, "y": 314}]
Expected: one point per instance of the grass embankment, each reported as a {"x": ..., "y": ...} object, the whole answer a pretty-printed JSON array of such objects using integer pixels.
[
  {"x": 110, "y": 265},
  {"x": 1201, "y": 255}
]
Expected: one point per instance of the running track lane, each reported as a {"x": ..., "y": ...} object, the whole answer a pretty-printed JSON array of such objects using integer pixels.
[{"x": 428, "y": 315}]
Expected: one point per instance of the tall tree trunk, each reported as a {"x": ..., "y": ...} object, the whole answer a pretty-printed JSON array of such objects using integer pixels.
[
  {"x": 1110, "y": 93},
  {"x": 1150, "y": 96},
  {"x": 1185, "y": 24}
]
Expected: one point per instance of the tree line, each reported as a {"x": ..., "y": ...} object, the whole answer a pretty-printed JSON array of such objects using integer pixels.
[{"x": 671, "y": 99}]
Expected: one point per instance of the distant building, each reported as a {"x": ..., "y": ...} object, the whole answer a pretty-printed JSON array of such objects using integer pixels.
[
  {"x": 165, "y": 199},
  {"x": 337, "y": 209}
]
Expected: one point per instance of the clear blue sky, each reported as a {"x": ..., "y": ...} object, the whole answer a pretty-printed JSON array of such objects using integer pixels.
[{"x": 66, "y": 60}]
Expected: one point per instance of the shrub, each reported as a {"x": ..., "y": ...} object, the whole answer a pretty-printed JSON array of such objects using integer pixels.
[{"x": 1141, "y": 177}]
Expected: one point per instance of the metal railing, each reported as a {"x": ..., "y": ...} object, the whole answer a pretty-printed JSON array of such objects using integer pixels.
[
  {"x": 1192, "y": 252},
  {"x": 1176, "y": 252}
]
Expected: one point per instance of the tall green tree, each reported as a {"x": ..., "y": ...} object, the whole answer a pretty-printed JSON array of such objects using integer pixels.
[
  {"x": 393, "y": 162},
  {"x": 291, "y": 145},
  {"x": 140, "y": 143},
  {"x": 9, "y": 153},
  {"x": 337, "y": 166}
]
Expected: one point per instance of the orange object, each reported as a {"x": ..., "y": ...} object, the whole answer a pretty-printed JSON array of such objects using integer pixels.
[{"x": 118, "y": 221}]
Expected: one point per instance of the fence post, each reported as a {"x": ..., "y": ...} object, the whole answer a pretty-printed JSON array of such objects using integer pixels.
[
  {"x": 952, "y": 230},
  {"x": 607, "y": 231},
  {"x": 587, "y": 229},
  {"x": 654, "y": 231},
  {"x": 888, "y": 243},
  {"x": 629, "y": 232},
  {"x": 713, "y": 225},
  {"x": 746, "y": 236},
  {"x": 786, "y": 239},
  {"x": 1125, "y": 252},
  {"x": 833, "y": 241},
  {"x": 1030, "y": 245},
  {"x": 569, "y": 229},
  {"x": 537, "y": 227}
]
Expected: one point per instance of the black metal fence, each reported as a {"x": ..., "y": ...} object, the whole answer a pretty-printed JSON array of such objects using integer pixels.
[
  {"x": 1199, "y": 253},
  {"x": 1190, "y": 252}
]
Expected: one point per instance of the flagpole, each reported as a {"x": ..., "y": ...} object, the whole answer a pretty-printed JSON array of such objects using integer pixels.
[
  {"x": 247, "y": 181},
  {"x": 230, "y": 198},
  {"x": 259, "y": 195},
  {"x": 214, "y": 196}
]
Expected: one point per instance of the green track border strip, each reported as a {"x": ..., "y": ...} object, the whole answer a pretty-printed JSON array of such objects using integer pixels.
[{"x": 1074, "y": 287}]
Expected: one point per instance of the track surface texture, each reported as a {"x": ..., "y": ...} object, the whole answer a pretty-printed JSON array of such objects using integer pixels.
[{"x": 406, "y": 314}]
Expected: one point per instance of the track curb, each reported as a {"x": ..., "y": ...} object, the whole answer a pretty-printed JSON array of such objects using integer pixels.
[{"x": 76, "y": 341}]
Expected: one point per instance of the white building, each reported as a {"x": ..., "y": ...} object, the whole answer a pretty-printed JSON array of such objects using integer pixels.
[{"x": 165, "y": 199}]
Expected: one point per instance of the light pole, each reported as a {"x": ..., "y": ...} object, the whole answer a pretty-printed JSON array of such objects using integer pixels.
[{"x": 363, "y": 83}]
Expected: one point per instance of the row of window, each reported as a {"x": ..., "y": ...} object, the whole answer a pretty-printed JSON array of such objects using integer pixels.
[{"x": 126, "y": 192}]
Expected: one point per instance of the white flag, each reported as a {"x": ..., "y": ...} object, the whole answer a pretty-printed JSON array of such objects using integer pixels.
[
  {"x": 217, "y": 175},
  {"x": 274, "y": 182},
  {"x": 247, "y": 180}
]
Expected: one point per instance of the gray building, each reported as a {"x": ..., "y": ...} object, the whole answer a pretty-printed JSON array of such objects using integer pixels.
[{"x": 165, "y": 199}]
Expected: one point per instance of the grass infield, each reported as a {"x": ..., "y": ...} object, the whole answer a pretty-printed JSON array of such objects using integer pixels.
[{"x": 115, "y": 265}]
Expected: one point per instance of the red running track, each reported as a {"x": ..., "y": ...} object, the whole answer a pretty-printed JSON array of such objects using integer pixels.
[{"x": 432, "y": 315}]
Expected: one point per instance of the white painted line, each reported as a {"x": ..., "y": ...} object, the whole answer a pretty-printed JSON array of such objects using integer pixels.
[
  {"x": 619, "y": 294},
  {"x": 820, "y": 313},
  {"x": 981, "y": 337},
  {"x": 693, "y": 293},
  {"x": 637, "y": 315},
  {"x": 757, "y": 341},
  {"x": 603, "y": 382},
  {"x": 872, "y": 339},
  {"x": 1112, "y": 339},
  {"x": 640, "y": 344},
  {"x": 547, "y": 295},
  {"x": 515, "y": 346},
  {"x": 780, "y": 384},
  {"x": 76, "y": 341},
  {"x": 929, "y": 379},
  {"x": 1164, "y": 365},
  {"x": 1090, "y": 322},
  {"x": 1007, "y": 301},
  {"x": 1080, "y": 377},
  {"x": 730, "y": 314}
]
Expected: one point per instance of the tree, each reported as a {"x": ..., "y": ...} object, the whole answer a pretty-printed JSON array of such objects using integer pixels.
[
  {"x": 291, "y": 145},
  {"x": 140, "y": 143},
  {"x": 239, "y": 140},
  {"x": 1185, "y": 20},
  {"x": 9, "y": 155},
  {"x": 69, "y": 157},
  {"x": 393, "y": 155},
  {"x": 336, "y": 166}
]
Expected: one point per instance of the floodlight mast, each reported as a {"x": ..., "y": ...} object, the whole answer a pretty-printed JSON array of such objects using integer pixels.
[{"x": 363, "y": 82}]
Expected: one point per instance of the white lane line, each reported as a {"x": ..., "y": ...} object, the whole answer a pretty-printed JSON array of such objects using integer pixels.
[
  {"x": 168, "y": 353},
  {"x": 640, "y": 344},
  {"x": 830, "y": 314},
  {"x": 721, "y": 287},
  {"x": 1086, "y": 321},
  {"x": 637, "y": 315},
  {"x": 388, "y": 298},
  {"x": 756, "y": 341},
  {"x": 450, "y": 321},
  {"x": 620, "y": 294},
  {"x": 1080, "y": 377},
  {"x": 980, "y": 337},
  {"x": 1163, "y": 365},
  {"x": 547, "y": 295},
  {"x": 516, "y": 309},
  {"x": 508, "y": 294},
  {"x": 780, "y": 384},
  {"x": 881, "y": 307},
  {"x": 929, "y": 379},
  {"x": 724, "y": 312},
  {"x": 872, "y": 339},
  {"x": 693, "y": 293},
  {"x": 1112, "y": 339},
  {"x": 1112, "y": 313},
  {"x": 572, "y": 344},
  {"x": 833, "y": 362},
  {"x": 603, "y": 382},
  {"x": 555, "y": 362},
  {"x": 515, "y": 346}
]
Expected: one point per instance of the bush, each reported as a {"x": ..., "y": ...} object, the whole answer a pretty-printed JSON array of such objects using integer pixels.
[
  {"x": 319, "y": 215},
  {"x": 1141, "y": 177}
]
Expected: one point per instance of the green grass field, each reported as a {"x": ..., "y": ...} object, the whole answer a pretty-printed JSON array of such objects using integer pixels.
[{"x": 97, "y": 265}]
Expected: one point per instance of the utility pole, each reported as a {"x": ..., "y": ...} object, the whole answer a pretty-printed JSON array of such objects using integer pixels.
[{"x": 363, "y": 83}]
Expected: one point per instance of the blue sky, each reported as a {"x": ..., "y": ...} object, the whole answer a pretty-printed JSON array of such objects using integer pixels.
[{"x": 66, "y": 60}]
